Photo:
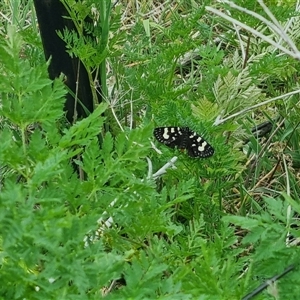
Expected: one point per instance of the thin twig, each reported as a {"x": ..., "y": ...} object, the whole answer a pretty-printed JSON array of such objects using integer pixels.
[
  {"x": 267, "y": 283},
  {"x": 275, "y": 26},
  {"x": 255, "y": 32},
  {"x": 281, "y": 32},
  {"x": 163, "y": 170},
  {"x": 219, "y": 121}
]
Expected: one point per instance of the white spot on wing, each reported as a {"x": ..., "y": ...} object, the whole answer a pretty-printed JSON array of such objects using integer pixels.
[
  {"x": 166, "y": 135},
  {"x": 202, "y": 147}
]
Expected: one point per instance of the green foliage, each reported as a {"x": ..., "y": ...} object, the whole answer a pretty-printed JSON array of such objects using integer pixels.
[
  {"x": 267, "y": 232},
  {"x": 47, "y": 212},
  {"x": 92, "y": 41},
  {"x": 81, "y": 216}
]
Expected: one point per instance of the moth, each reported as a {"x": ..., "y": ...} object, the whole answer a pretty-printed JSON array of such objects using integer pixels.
[{"x": 184, "y": 138}]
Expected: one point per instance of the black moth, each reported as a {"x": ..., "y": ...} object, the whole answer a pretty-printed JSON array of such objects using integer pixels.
[{"x": 184, "y": 138}]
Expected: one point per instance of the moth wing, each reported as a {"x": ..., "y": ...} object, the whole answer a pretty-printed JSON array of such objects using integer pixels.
[
  {"x": 171, "y": 136},
  {"x": 197, "y": 146}
]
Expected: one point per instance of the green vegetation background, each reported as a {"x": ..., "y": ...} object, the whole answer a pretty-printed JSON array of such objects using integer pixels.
[{"x": 208, "y": 229}]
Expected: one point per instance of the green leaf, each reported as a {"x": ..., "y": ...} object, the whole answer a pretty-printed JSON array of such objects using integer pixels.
[
  {"x": 82, "y": 131},
  {"x": 244, "y": 222}
]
